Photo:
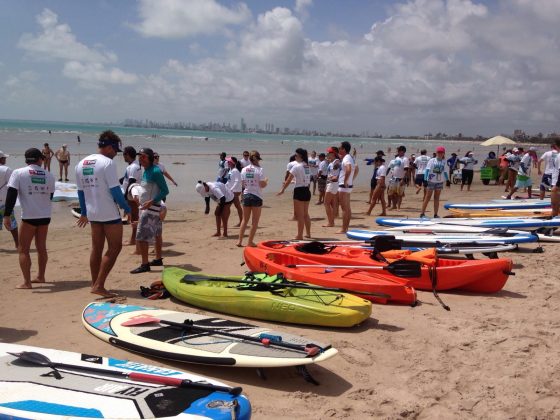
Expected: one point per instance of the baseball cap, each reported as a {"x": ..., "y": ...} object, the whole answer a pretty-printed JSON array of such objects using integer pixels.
[
  {"x": 108, "y": 138},
  {"x": 64, "y": 145},
  {"x": 380, "y": 153},
  {"x": 255, "y": 155},
  {"x": 147, "y": 151},
  {"x": 201, "y": 189},
  {"x": 515, "y": 149},
  {"x": 33, "y": 155},
  {"x": 229, "y": 159},
  {"x": 331, "y": 150},
  {"x": 3, "y": 155},
  {"x": 440, "y": 149}
]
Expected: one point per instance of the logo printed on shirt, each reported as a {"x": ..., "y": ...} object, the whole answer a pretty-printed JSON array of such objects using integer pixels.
[
  {"x": 89, "y": 162},
  {"x": 87, "y": 171},
  {"x": 36, "y": 172},
  {"x": 38, "y": 180}
]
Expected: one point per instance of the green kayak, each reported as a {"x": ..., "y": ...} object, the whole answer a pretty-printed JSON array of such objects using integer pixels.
[{"x": 271, "y": 298}]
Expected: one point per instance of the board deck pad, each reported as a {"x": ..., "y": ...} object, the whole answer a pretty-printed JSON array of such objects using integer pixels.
[
  {"x": 105, "y": 321},
  {"x": 31, "y": 391}
]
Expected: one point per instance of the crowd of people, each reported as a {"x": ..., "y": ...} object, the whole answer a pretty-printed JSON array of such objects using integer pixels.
[{"x": 142, "y": 191}]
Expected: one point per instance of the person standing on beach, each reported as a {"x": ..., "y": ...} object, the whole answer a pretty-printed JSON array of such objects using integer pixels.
[
  {"x": 420, "y": 163},
  {"x": 35, "y": 187},
  {"x": 99, "y": 193},
  {"x": 221, "y": 194},
  {"x": 235, "y": 185},
  {"x": 452, "y": 163},
  {"x": 222, "y": 168},
  {"x": 47, "y": 156},
  {"x": 163, "y": 170},
  {"x": 5, "y": 173},
  {"x": 322, "y": 177},
  {"x": 549, "y": 159},
  {"x": 467, "y": 173},
  {"x": 254, "y": 181},
  {"x": 313, "y": 163},
  {"x": 331, "y": 190},
  {"x": 63, "y": 157},
  {"x": 523, "y": 179},
  {"x": 513, "y": 159},
  {"x": 345, "y": 184},
  {"x": 149, "y": 224},
  {"x": 301, "y": 174},
  {"x": 434, "y": 174},
  {"x": 245, "y": 160},
  {"x": 379, "y": 192},
  {"x": 400, "y": 167},
  {"x": 132, "y": 175}
]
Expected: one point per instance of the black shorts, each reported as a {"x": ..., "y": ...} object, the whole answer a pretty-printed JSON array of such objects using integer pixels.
[
  {"x": 373, "y": 183},
  {"x": 108, "y": 222},
  {"x": 38, "y": 222},
  {"x": 467, "y": 176},
  {"x": 419, "y": 180},
  {"x": 251, "y": 200},
  {"x": 302, "y": 194}
]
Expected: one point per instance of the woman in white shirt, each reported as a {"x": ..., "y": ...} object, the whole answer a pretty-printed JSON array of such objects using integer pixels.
[
  {"x": 435, "y": 174},
  {"x": 253, "y": 181},
  {"x": 301, "y": 174},
  {"x": 379, "y": 192},
  {"x": 331, "y": 190},
  {"x": 222, "y": 195},
  {"x": 234, "y": 184}
]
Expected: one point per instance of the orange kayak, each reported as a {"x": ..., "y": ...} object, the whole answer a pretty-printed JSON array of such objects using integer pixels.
[
  {"x": 479, "y": 276},
  {"x": 356, "y": 281}
]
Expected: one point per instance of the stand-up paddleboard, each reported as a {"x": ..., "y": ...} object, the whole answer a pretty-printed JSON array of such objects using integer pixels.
[
  {"x": 240, "y": 345},
  {"x": 501, "y": 212},
  {"x": 518, "y": 223},
  {"x": 500, "y": 205},
  {"x": 64, "y": 191},
  {"x": 445, "y": 237},
  {"x": 83, "y": 386}
]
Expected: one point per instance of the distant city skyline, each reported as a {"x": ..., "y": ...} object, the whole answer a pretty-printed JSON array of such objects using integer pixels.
[{"x": 476, "y": 67}]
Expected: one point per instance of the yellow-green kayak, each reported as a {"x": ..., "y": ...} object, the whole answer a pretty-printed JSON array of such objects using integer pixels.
[{"x": 258, "y": 297}]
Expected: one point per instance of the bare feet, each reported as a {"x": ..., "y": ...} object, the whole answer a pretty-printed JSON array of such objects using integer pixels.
[
  {"x": 252, "y": 245},
  {"x": 341, "y": 232},
  {"x": 38, "y": 280},
  {"x": 328, "y": 225},
  {"x": 104, "y": 293},
  {"x": 24, "y": 286},
  {"x": 382, "y": 214},
  {"x": 240, "y": 245},
  {"x": 216, "y": 235}
]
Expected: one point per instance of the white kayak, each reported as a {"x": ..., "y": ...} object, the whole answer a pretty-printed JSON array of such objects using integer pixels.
[
  {"x": 446, "y": 237},
  {"x": 519, "y": 223},
  {"x": 48, "y": 384}
]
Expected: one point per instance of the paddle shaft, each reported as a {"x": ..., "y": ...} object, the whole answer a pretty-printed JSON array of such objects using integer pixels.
[
  {"x": 288, "y": 285},
  {"x": 140, "y": 377}
]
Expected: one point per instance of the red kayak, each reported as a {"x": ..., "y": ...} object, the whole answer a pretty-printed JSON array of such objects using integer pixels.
[
  {"x": 356, "y": 281},
  {"x": 479, "y": 276}
]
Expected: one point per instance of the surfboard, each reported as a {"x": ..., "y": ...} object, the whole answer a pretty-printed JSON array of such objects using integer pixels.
[
  {"x": 204, "y": 344},
  {"x": 446, "y": 237},
  {"x": 500, "y": 205},
  {"x": 93, "y": 387},
  {"x": 519, "y": 223}
]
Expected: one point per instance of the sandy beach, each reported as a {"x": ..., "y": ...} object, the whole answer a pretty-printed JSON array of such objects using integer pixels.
[{"x": 492, "y": 356}]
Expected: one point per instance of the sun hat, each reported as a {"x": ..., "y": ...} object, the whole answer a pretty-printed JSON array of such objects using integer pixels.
[
  {"x": 3, "y": 155},
  {"x": 201, "y": 189},
  {"x": 440, "y": 149},
  {"x": 229, "y": 159}
]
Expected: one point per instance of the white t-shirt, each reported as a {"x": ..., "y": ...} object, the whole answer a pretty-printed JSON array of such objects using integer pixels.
[
  {"x": 251, "y": 176},
  {"x": 346, "y": 160},
  {"x": 5, "y": 173},
  {"x": 222, "y": 169},
  {"x": 421, "y": 162},
  {"x": 381, "y": 172},
  {"x": 133, "y": 170},
  {"x": 333, "y": 170},
  {"x": 323, "y": 167},
  {"x": 234, "y": 180},
  {"x": 95, "y": 176},
  {"x": 399, "y": 166},
  {"x": 549, "y": 161},
  {"x": 217, "y": 190},
  {"x": 313, "y": 165},
  {"x": 161, "y": 168},
  {"x": 302, "y": 174},
  {"x": 244, "y": 162},
  {"x": 527, "y": 161},
  {"x": 436, "y": 170},
  {"x": 468, "y": 162},
  {"x": 555, "y": 172},
  {"x": 35, "y": 186}
]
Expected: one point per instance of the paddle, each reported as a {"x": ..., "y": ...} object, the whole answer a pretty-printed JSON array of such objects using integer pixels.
[
  {"x": 42, "y": 360},
  {"x": 285, "y": 284},
  {"x": 264, "y": 339},
  {"x": 400, "y": 268}
]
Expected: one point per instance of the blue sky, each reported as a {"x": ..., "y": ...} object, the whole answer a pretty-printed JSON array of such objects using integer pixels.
[{"x": 408, "y": 67}]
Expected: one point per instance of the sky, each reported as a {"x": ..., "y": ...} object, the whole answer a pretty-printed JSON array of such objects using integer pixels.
[{"x": 360, "y": 66}]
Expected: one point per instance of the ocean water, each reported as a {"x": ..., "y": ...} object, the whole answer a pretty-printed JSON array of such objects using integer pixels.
[{"x": 192, "y": 155}]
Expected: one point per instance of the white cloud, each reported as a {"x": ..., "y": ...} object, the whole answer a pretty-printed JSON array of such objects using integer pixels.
[
  {"x": 56, "y": 41},
  {"x": 97, "y": 73},
  {"x": 187, "y": 18}
]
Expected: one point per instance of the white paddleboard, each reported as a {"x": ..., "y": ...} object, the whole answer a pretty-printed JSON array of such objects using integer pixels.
[
  {"x": 502, "y": 204},
  {"x": 519, "y": 223},
  {"x": 105, "y": 320},
  {"x": 446, "y": 237},
  {"x": 31, "y": 391}
]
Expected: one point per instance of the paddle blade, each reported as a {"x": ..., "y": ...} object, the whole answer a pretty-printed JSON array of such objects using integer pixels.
[
  {"x": 404, "y": 268},
  {"x": 33, "y": 358},
  {"x": 140, "y": 320}
]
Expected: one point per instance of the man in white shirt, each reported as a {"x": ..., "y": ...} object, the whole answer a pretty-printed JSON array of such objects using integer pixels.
[
  {"x": 549, "y": 159},
  {"x": 345, "y": 184},
  {"x": 133, "y": 174},
  {"x": 35, "y": 187},
  {"x": 245, "y": 160},
  {"x": 400, "y": 169},
  {"x": 99, "y": 193},
  {"x": 5, "y": 172}
]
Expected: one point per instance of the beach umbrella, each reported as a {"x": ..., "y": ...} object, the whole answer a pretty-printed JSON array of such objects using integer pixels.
[{"x": 497, "y": 141}]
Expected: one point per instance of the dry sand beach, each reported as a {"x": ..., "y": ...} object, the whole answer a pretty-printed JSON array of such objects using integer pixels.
[{"x": 492, "y": 356}]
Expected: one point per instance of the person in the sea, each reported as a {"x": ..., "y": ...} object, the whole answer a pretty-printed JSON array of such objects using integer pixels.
[
  {"x": 47, "y": 156},
  {"x": 435, "y": 174},
  {"x": 35, "y": 188},
  {"x": 63, "y": 157},
  {"x": 100, "y": 194},
  {"x": 149, "y": 223},
  {"x": 5, "y": 173},
  {"x": 223, "y": 196}
]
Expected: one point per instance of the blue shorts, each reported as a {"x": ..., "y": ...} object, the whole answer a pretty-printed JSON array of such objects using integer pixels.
[
  {"x": 546, "y": 182},
  {"x": 251, "y": 200},
  {"x": 435, "y": 186}
]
